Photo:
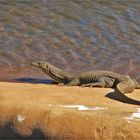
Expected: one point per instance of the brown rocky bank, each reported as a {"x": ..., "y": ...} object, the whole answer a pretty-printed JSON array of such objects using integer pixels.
[{"x": 40, "y": 111}]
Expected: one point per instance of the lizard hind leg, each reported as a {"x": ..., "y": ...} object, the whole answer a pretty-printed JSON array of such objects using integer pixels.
[
  {"x": 126, "y": 86},
  {"x": 97, "y": 84}
]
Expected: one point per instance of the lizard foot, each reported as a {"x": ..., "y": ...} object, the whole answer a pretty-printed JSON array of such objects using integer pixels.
[{"x": 98, "y": 84}]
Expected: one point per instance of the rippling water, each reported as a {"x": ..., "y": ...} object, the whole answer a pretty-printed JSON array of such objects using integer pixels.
[{"x": 73, "y": 35}]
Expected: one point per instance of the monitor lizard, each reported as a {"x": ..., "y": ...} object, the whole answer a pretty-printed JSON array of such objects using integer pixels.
[{"x": 95, "y": 78}]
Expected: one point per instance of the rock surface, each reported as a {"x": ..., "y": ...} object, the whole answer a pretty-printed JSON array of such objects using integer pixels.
[{"x": 53, "y": 112}]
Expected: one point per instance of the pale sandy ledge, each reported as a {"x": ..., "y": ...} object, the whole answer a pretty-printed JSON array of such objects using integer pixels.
[{"x": 53, "y": 112}]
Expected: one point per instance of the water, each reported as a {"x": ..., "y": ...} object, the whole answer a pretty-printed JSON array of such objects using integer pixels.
[{"x": 73, "y": 35}]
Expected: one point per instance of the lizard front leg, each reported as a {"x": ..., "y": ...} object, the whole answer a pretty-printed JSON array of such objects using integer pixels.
[{"x": 74, "y": 82}]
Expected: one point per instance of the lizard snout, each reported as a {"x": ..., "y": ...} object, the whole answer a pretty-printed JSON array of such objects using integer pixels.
[{"x": 34, "y": 64}]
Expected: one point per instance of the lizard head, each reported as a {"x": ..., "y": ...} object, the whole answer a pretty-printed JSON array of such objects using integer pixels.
[{"x": 42, "y": 65}]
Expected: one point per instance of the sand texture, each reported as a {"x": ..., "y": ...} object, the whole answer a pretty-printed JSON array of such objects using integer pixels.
[{"x": 75, "y": 113}]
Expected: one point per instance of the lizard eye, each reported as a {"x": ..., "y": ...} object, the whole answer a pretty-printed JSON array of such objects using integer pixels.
[{"x": 47, "y": 67}]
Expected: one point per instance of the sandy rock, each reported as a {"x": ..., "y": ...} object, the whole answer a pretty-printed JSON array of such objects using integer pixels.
[{"x": 53, "y": 112}]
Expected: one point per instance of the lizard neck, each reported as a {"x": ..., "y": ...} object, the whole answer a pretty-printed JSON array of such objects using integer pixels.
[{"x": 57, "y": 74}]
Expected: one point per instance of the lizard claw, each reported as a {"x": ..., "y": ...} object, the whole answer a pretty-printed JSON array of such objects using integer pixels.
[
  {"x": 61, "y": 84},
  {"x": 91, "y": 85}
]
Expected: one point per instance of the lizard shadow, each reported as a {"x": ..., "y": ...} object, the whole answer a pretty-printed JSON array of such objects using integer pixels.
[
  {"x": 118, "y": 96},
  {"x": 35, "y": 81}
]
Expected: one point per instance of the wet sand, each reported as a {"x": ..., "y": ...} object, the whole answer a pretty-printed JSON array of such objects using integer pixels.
[{"x": 53, "y": 112}]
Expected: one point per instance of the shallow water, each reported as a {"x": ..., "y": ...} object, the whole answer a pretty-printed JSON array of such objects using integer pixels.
[{"x": 73, "y": 35}]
